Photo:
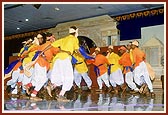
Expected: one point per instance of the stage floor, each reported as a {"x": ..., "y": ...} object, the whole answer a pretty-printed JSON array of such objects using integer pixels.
[{"x": 90, "y": 102}]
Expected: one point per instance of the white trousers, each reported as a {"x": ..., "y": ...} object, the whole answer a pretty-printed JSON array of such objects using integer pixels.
[
  {"x": 130, "y": 81},
  {"x": 78, "y": 78},
  {"x": 141, "y": 76},
  {"x": 62, "y": 74},
  {"x": 40, "y": 77},
  {"x": 49, "y": 74},
  {"x": 26, "y": 79},
  {"x": 16, "y": 77},
  {"x": 116, "y": 78},
  {"x": 101, "y": 79}
]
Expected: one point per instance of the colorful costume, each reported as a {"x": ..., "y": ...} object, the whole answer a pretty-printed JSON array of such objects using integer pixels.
[{"x": 62, "y": 72}]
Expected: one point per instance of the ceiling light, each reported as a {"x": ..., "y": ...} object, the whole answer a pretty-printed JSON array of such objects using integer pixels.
[
  {"x": 18, "y": 28},
  {"x": 26, "y": 20},
  {"x": 56, "y": 8}
]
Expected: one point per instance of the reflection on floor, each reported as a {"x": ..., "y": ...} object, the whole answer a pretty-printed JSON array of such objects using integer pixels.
[{"x": 91, "y": 101}]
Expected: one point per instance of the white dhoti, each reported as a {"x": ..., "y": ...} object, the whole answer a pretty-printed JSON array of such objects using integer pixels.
[
  {"x": 141, "y": 76},
  {"x": 16, "y": 77},
  {"x": 116, "y": 78},
  {"x": 101, "y": 79},
  {"x": 62, "y": 74},
  {"x": 78, "y": 78},
  {"x": 49, "y": 74},
  {"x": 130, "y": 81},
  {"x": 40, "y": 77},
  {"x": 27, "y": 79}
]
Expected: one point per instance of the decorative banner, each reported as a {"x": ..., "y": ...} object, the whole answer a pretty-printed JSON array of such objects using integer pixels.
[
  {"x": 24, "y": 35},
  {"x": 139, "y": 14}
]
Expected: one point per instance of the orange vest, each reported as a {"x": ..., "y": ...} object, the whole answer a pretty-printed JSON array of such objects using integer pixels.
[
  {"x": 101, "y": 62},
  {"x": 126, "y": 62},
  {"x": 48, "y": 55},
  {"x": 138, "y": 56}
]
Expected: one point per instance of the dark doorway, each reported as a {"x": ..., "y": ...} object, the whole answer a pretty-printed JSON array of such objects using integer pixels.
[{"x": 87, "y": 43}]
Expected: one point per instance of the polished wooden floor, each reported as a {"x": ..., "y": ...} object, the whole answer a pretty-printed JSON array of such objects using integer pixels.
[{"x": 91, "y": 101}]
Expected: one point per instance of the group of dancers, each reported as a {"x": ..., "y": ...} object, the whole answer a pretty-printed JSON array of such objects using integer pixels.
[{"x": 48, "y": 63}]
